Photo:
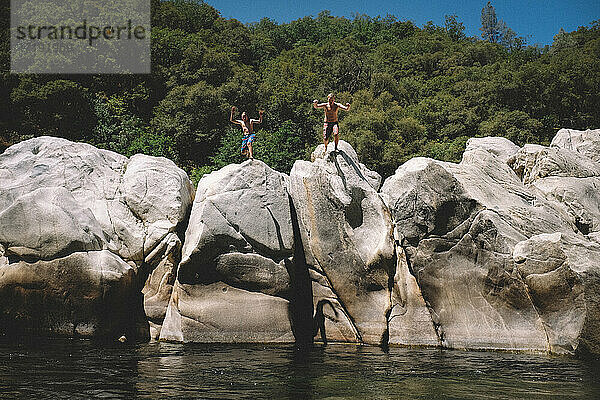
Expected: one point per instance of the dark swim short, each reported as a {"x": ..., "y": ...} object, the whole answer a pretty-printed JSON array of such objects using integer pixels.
[
  {"x": 247, "y": 139},
  {"x": 330, "y": 128}
]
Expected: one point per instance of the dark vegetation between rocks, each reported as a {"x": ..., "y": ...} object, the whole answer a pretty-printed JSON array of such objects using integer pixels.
[{"x": 415, "y": 91}]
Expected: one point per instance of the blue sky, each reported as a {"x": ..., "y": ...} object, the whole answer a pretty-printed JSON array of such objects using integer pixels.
[{"x": 536, "y": 20}]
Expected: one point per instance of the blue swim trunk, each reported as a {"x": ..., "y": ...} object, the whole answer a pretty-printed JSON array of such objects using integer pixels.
[{"x": 247, "y": 139}]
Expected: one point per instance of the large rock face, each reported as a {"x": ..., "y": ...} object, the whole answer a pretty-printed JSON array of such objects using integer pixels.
[
  {"x": 346, "y": 234},
  {"x": 80, "y": 228},
  {"x": 80, "y": 294},
  {"x": 475, "y": 236},
  {"x": 233, "y": 282},
  {"x": 563, "y": 176},
  {"x": 584, "y": 142},
  {"x": 499, "y": 251},
  {"x": 498, "y": 146},
  {"x": 562, "y": 276}
]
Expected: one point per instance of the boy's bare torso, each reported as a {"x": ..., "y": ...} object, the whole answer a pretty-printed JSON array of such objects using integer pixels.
[
  {"x": 246, "y": 129},
  {"x": 331, "y": 112}
]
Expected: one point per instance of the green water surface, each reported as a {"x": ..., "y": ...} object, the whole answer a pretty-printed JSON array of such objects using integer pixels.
[{"x": 59, "y": 368}]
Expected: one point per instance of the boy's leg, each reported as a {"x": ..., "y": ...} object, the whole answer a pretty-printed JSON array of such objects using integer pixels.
[
  {"x": 250, "y": 142},
  {"x": 336, "y": 137},
  {"x": 325, "y": 141},
  {"x": 245, "y": 144}
]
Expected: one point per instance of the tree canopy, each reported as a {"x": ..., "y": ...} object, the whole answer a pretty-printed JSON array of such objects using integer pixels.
[{"x": 414, "y": 91}]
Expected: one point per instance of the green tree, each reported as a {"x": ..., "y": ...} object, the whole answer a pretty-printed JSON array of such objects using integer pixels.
[
  {"x": 278, "y": 148},
  {"x": 59, "y": 107},
  {"x": 562, "y": 40},
  {"x": 192, "y": 117},
  {"x": 454, "y": 29},
  {"x": 414, "y": 91},
  {"x": 516, "y": 126},
  {"x": 491, "y": 27},
  {"x": 510, "y": 40},
  {"x": 187, "y": 15},
  {"x": 119, "y": 130}
]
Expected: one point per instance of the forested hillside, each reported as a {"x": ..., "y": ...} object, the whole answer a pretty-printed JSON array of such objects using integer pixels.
[{"x": 414, "y": 91}]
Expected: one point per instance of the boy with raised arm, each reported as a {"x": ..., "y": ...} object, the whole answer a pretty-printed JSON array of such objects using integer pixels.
[
  {"x": 247, "y": 125},
  {"x": 330, "y": 122}
]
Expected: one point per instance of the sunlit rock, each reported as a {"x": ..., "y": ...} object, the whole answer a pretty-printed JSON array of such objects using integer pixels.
[
  {"x": 82, "y": 227},
  {"x": 233, "y": 282},
  {"x": 346, "y": 234}
]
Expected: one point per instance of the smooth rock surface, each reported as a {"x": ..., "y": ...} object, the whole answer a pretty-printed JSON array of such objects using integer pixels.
[
  {"x": 346, "y": 234},
  {"x": 410, "y": 321},
  {"x": 459, "y": 224},
  {"x": 585, "y": 142},
  {"x": 218, "y": 312},
  {"x": 533, "y": 162},
  {"x": 62, "y": 201},
  {"x": 562, "y": 276},
  {"x": 49, "y": 223},
  {"x": 579, "y": 196},
  {"x": 565, "y": 177},
  {"x": 498, "y": 146},
  {"x": 86, "y": 294},
  {"x": 233, "y": 283}
]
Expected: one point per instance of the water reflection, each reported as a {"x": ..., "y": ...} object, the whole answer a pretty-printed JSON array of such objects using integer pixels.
[
  {"x": 45, "y": 368},
  {"x": 82, "y": 369}
]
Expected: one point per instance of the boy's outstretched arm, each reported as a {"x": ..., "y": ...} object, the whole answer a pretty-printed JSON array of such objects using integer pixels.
[
  {"x": 344, "y": 107},
  {"x": 231, "y": 117},
  {"x": 316, "y": 104},
  {"x": 260, "y": 116}
]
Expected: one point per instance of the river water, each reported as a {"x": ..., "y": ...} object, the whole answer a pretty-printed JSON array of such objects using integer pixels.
[{"x": 60, "y": 368}]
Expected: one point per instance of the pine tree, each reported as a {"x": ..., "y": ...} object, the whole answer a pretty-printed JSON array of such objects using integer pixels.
[
  {"x": 490, "y": 26},
  {"x": 562, "y": 40}
]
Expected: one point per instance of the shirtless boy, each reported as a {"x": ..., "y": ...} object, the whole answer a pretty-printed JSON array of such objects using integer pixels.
[
  {"x": 330, "y": 123},
  {"x": 247, "y": 125}
]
